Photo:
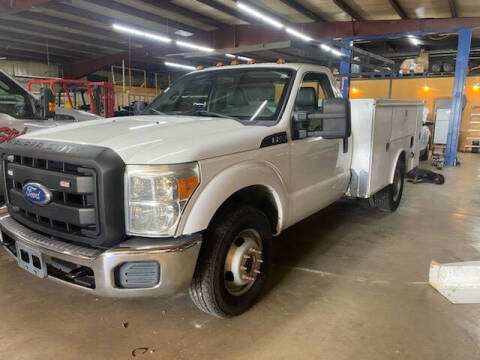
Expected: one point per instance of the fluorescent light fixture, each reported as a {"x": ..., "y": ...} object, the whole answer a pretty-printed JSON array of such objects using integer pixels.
[
  {"x": 259, "y": 15},
  {"x": 3, "y": 58},
  {"x": 193, "y": 46},
  {"x": 180, "y": 66},
  {"x": 326, "y": 47},
  {"x": 414, "y": 41},
  {"x": 332, "y": 50},
  {"x": 298, "y": 34},
  {"x": 336, "y": 52},
  {"x": 243, "y": 58},
  {"x": 141, "y": 33},
  {"x": 183, "y": 33}
]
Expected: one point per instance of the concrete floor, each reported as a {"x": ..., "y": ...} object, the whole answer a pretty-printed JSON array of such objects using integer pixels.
[{"x": 348, "y": 283}]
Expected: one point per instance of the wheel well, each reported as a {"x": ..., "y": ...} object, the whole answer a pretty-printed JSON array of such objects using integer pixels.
[
  {"x": 403, "y": 158},
  {"x": 257, "y": 196}
]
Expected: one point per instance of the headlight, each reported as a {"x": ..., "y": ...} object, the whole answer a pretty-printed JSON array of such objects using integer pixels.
[{"x": 156, "y": 196}]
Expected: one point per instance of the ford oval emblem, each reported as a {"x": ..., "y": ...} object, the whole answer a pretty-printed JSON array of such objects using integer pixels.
[{"x": 37, "y": 193}]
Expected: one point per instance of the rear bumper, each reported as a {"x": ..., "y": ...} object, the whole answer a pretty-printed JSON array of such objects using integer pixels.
[{"x": 176, "y": 258}]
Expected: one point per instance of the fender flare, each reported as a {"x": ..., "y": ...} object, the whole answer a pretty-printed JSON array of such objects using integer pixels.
[{"x": 226, "y": 183}]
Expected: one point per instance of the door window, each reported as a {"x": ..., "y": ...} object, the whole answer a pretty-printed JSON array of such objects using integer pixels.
[{"x": 314, "y": 89}]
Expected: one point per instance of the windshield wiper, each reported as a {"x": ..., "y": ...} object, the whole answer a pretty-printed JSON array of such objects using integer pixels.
[
  {"x": 156, "y": 111},
  {"x": 207, "y": 113}
]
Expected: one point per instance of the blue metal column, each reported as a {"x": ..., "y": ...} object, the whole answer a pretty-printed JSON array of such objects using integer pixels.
[
  {"x": 461, "y": 66},
  {"x": 345, "y": 68}
]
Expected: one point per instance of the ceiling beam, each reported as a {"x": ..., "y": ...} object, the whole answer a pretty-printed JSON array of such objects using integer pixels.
[
  {"x": 35, "y": 56},
  {"x": 453, "y": 8},
  {"x": 348, "y": 9},
  {"x": 255, "y": 34},
  {"x": 53, "y": 43},
  {"x": 398, "y": 9},
  {"x": 43, "y": 32},
  {"x": 66, "y": 25},
  {"x": 295, "y": 5},
  {"x": 166, "y": 5},
  {"x": 112, "y": 5},
  {"x": 228, "y": 10},
  {"x": 12, "y": 7},
  {"x": 18, "y": 46}
]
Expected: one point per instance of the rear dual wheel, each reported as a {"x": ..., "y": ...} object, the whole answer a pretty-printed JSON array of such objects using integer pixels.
[
  {"x": 388, "y": 199},
  {"x": 233, "y": 263}
]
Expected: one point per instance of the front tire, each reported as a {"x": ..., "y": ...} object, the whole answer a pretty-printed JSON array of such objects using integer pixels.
[
  {"x": 233, "y": 263},
  {"x": 388, "y": 199}
]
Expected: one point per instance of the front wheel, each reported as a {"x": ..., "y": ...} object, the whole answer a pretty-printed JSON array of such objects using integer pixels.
[
  {"x": 389, "y": 198},
  {"x": 233, "y": 263}
]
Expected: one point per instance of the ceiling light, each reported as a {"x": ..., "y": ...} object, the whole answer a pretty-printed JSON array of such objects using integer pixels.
[
  {"x": 414, "y": 40},
  {"x": 298, "y": 34},
  {"x": 259, "y": 15},
  {"x": 326, "y": 47},
  {"x": 193, "y": 46},
  {"x": 3, "y": 58},
  {"x": 183, "y": 33},
  {"x": 243, "y": 58},
  {"x": 141, "y": 33},
  {"x": 180, "y": 66}
]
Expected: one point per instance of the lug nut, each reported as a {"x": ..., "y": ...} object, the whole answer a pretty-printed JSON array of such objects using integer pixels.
[
  {"x": 246, "y": 257},
  {"x": 256, "y": 271},
  {"x": 259, "y": 261},
  {"x": 243, "y": 268}
]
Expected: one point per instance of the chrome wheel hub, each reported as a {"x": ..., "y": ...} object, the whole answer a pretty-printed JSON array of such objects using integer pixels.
[{"x": 243, "y": 263}]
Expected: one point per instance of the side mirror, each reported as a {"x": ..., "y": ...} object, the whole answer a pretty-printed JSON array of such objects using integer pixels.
[
  {"x": 47, "y": 103},
  {"x": 332, "y": 121},
  {"x": 428, "y": 123}
]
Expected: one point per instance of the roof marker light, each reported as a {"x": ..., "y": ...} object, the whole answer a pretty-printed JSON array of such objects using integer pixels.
[
  {"x": 259, "y": 15},
  {"x": 180, "y": 66},
  {"x": 298, "y": 34},
  {"x": 141, "y": 33}
]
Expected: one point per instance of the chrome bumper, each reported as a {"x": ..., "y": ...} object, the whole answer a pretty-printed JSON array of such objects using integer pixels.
[{"x": 177, "y": 259}]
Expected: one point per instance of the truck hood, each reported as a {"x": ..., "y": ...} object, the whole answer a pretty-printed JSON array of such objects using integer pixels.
[{"x": 161, "y": 139}]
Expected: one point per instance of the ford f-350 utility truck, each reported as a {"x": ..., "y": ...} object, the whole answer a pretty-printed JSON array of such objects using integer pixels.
[{"x": 191, "y": 192}]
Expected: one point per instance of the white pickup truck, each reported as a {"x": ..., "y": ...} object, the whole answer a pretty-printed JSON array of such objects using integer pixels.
[{"x": 191, "y": 192}]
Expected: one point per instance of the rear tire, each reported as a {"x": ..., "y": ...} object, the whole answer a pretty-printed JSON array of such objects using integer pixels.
[
  {"x": 233, "y": 263},
  {"x": 425, "y": 153},
  {"x": 389, "y": 198}
]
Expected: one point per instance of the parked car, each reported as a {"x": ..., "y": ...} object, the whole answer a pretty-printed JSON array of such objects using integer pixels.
[{"x": 191, "y": 192}]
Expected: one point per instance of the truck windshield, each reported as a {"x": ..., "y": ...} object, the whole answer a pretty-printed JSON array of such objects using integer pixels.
[
  {"x": 14, "y": 100},
  {"x": 243, "y": 94}
]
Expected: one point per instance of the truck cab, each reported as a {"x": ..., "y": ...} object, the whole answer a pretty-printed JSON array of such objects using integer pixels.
[{"x": 191, "y": 192}]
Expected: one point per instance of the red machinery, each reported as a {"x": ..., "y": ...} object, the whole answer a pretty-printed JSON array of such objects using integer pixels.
[{"x": 108, "y": 92}]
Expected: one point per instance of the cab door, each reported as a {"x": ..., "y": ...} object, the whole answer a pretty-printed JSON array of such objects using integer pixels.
[{"x": 320, "y": 171}]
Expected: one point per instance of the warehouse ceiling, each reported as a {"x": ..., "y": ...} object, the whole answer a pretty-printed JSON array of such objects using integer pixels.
[{"x": 80, "y": 31}]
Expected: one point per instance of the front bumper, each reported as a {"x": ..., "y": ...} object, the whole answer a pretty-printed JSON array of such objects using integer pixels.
[{"x": 176, "y": 258}]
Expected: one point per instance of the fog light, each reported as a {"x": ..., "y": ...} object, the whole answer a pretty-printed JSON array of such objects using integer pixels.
[{"x": 138, "y": 275}]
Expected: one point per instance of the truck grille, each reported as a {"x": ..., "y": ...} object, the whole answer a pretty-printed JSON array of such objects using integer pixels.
[
  {"x": 73, "y": 209},
  {"x": 86, "y": 184}
]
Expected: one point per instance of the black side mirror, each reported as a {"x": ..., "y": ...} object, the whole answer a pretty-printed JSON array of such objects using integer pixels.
[
  {"x": 333, "y": 121},
  {"x": 47, "y": 103}
]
